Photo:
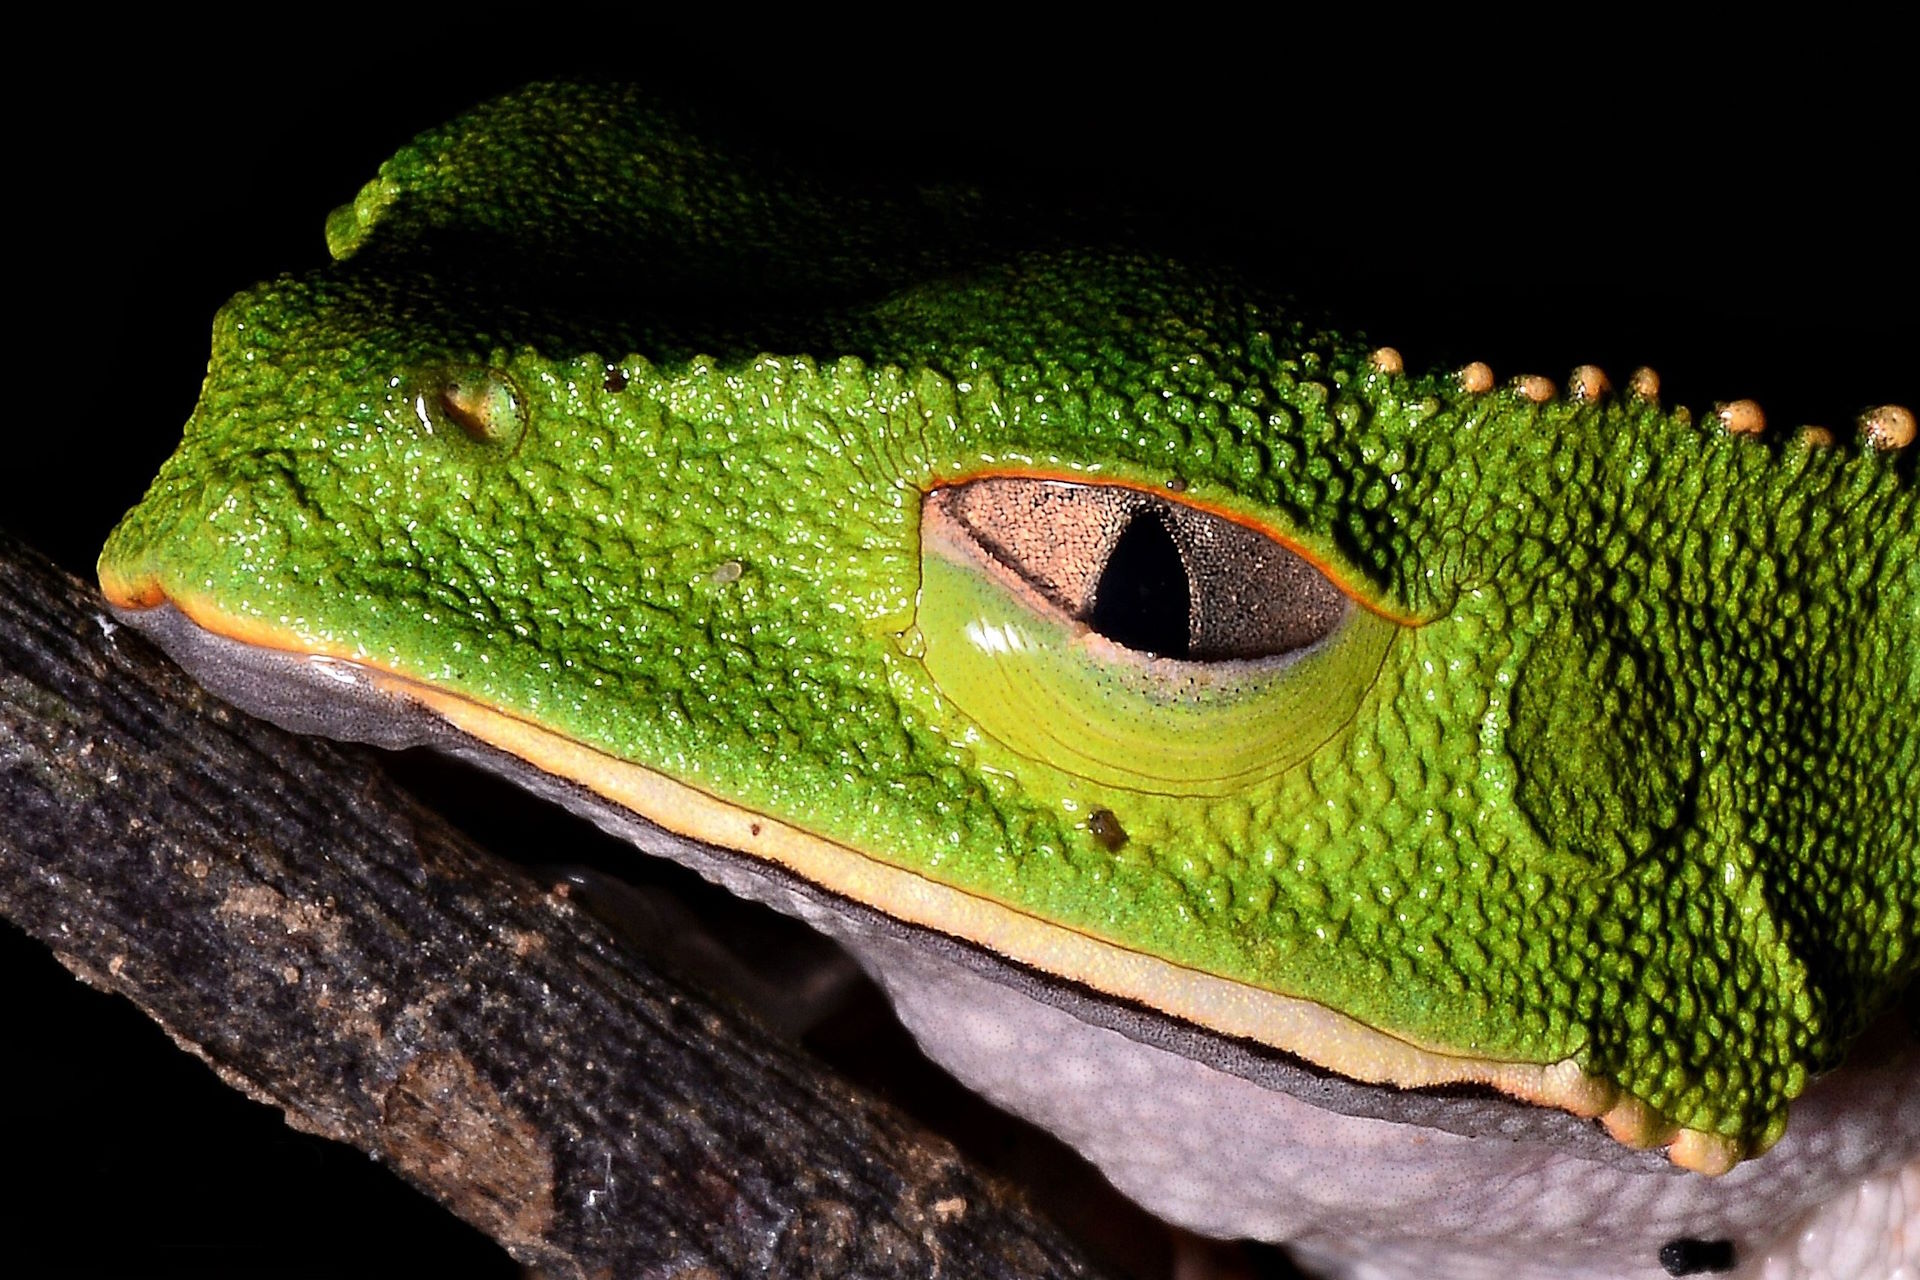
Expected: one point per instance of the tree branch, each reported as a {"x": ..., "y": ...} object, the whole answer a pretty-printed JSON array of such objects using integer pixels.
[{"x": 337, "y": 951}]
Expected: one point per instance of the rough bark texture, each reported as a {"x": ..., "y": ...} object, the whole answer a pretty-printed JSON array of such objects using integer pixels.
[{"x": 337, "y": 951}]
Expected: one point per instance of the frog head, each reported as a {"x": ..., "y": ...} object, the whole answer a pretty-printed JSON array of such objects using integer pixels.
[{"x": 1099, "y": 612}]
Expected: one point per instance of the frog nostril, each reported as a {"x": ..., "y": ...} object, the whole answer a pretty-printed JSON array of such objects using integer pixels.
[
  {"x": 483, "y": 404},
  {"x": 464, "y": 411}
]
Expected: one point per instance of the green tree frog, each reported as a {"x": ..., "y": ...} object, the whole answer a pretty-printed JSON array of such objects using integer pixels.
[{"x": 1460, "y": 827}]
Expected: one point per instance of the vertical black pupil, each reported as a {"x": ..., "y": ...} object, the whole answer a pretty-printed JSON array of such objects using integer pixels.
[{"x": 1142, "y": 599}]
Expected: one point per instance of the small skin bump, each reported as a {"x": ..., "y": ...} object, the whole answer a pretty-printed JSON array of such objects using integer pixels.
[
  {"x": 1644, "y": 384},
  {"x": 1176, "y": 485},
  {"x": 1387, "y": 360},
  {"x": 1588, "y": 383},
  {"x": 1888, "y": 427},
  {"x": 1741, "y": 417},
  {"x": 1477, "y": 378},
  {"x": 1635, "y": 1124},
  {"x": 1535, "y": 388},
  {"x": 1816, "y": 437},
  {"x": 1710, "y": 1153}
]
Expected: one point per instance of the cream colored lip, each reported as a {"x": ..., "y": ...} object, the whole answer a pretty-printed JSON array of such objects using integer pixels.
[{"x": 1297, "y": 1026}]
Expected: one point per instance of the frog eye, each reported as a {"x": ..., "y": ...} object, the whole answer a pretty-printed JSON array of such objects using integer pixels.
[
  {"x": 1151, "y": 575},
  {"x": 1136, "y": 640}
]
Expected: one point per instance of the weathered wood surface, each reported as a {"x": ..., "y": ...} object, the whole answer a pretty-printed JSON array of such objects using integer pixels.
[{"x": 339, "y": 952}]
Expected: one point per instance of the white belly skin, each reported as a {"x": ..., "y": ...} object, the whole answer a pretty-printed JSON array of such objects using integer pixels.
[{"x": 1837, "y": 1199}]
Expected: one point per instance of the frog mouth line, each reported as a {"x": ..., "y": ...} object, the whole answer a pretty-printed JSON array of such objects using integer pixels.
[{"x": 273, "y": 673}]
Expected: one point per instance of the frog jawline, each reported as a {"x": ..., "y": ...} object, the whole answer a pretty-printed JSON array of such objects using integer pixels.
[{"x": 271, "y": 673}]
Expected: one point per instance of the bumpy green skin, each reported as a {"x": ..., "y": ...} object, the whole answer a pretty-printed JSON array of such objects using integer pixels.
[{"x": 1638, "y": 789}]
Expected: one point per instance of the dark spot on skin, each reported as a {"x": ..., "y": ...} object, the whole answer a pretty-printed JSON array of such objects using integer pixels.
[
  {"x": 754, "y": 828},
  {"x": 1104, "y": 827},
  {"x": 1176, "y": 485},
  {"x": 616, "y": 380},
  {"x": 1689, "y": 1257}
]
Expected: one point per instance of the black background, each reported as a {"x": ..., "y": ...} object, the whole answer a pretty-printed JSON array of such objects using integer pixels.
[{"x": 1535, "y": 199}]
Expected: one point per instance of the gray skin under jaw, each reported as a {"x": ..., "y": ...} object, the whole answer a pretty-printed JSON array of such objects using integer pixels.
[{"x": 1221, "y": 1136}]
